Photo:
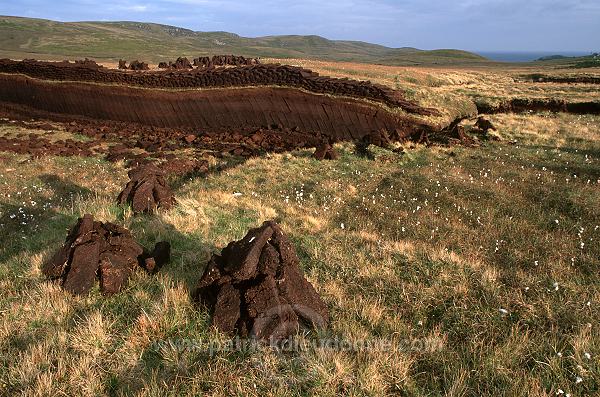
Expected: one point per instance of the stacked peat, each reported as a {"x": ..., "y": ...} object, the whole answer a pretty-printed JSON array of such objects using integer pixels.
[
  {"x": 255, "y": 288},
  {"x": 485, "y": 125},
  {"x": 325, "y": 152},
  {"x": 239, "y": 76},
  {"x": 180, "y": 63},
  {"x": 224, "y": 60},
  {"x": 147, "y": 190},
  {"x": 104, "y": 251}
]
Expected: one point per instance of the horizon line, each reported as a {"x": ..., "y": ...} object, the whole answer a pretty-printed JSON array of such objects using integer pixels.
[{"x": 476, "y": 51}]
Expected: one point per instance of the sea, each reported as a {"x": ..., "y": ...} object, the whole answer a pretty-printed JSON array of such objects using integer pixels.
[{"x": 528, "y": 56}]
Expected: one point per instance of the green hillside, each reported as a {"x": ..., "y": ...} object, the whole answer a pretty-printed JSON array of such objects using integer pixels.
[{"x": 44, "y": 39}]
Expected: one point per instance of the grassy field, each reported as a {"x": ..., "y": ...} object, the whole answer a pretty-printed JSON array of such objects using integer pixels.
[
  {"x": 479, "y": 266},
  {"x": 454, "y": 90}
]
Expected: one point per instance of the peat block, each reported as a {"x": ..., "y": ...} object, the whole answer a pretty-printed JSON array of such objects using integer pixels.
[
  {"x": 255, "y": 288},
  {"x": 325, "y": 152},
  {"x": 147, "y": 190},
  {"x": 101, "y": 251},
  {"x": 484, "y": 124}
]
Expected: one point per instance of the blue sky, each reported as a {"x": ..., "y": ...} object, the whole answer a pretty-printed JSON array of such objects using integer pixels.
[{"x": 484, "y": 25}]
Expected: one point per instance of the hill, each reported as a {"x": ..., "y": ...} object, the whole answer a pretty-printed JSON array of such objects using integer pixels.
[{"x": 45, "y": 39}]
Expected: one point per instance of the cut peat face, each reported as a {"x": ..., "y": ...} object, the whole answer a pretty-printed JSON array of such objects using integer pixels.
[{"x": 212, "y": 100}]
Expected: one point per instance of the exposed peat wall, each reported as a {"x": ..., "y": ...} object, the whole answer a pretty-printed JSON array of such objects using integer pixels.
[
  {"x": 215, "y": 110},
  {"x": 539, "y": 105},
  {"x": 241, "y": 76}
]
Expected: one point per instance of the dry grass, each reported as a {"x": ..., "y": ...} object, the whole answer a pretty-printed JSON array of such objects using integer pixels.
[
  {"x": 491, "y": 253},
  {"x": 452, "y": 90}
]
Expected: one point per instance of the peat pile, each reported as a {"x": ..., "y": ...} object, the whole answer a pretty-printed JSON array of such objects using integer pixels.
[
  {"x": 255, "y": 288},
  {"x": 241, "y": 76},
  {"x": 524, "y": 105},
  {"x": 483, "y": 125},
  {"x": 134, "y": 65},
  {"x": 180, "y": 63},
  {"x": 38, "y": 146},
  {"x": 224, "y": 60},
  {"x": 325, "y": 152},
  {"x": 147, "y": 190},
  {"x": 138, "y": 145},
  {"x": 141, "y": 145},
  {"x": 104, "y": 251}
]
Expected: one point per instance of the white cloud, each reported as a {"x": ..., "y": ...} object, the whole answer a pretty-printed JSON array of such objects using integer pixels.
[{"x": 136, "y": 8}]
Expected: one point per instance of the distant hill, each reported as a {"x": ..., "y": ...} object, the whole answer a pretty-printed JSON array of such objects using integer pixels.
[
  {"x": 592, "y": 61},
  {"x": 581, "y": 62},
  {"x": 551, "y": 58},
  {"x": 44, "y": 39}
]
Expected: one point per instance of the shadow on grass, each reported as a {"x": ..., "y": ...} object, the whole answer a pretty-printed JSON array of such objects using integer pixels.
[
  {"x": 593, "y": 152},
  {"x": 229, "y": 163},
  {"x": 33, "y": 228},
  {"x": 189, "y": 252}
]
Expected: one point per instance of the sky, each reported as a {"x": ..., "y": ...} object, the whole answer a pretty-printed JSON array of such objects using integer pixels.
[{"x": 475, "y": 25}]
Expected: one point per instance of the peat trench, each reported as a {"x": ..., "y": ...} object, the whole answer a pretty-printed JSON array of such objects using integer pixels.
[
  {"x": 142, "y": 123},
  {"x": 539, "y": 78},
  {"x": 524, "y": 105}
]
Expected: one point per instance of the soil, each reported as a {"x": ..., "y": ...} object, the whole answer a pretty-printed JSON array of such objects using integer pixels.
[
  {"x": 180, "y": 63},
  {"x": 536, "y": 78},
  {"x": 207, "y": 111},
  {"x": 160, "y": 256},
  {"x": 137, "y": 65},
  {"x": 325, "y": 152},
  {"x": 140, "y": 145},
  {"x": 255, "y": 288},
  {"x": 241, "y": 76},
  {"x": 38, "y": 146},
  {"x": 540, "y": 105},
  {"x": 223, "y": 60},
  {"x": 484, "y": 125},
  {"x": 100, "y": 251}
]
